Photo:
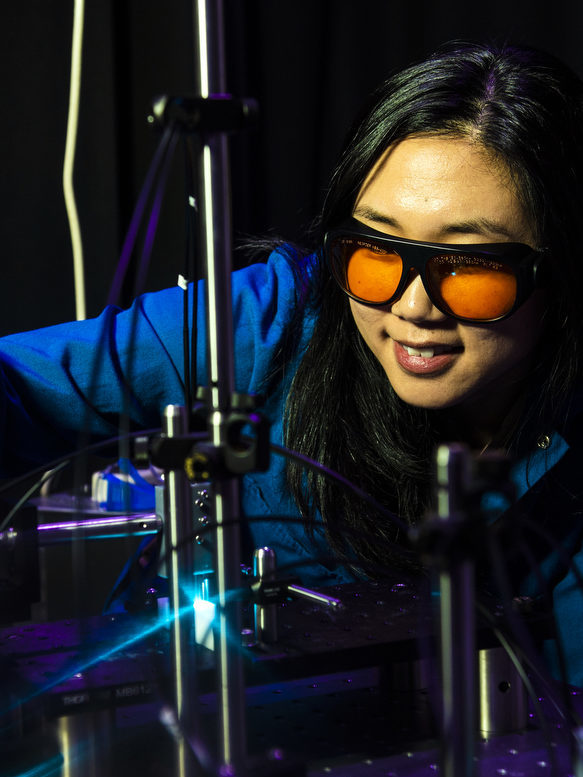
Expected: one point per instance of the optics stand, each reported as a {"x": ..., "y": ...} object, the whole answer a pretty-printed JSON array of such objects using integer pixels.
[
  {"x": 450, "y": 540},
  {"x": 215, "y": 249},
  {"x": 457, "y": 622},
  {"x": 181, "y": 716},
  {"x": 211, "y": 115}
]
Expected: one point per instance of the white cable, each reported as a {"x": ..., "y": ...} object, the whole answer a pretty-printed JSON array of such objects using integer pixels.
[{"x": 69, "y": 161}]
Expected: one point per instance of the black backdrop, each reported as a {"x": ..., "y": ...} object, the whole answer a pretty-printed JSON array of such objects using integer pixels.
[{"x": 309, "y": 63}]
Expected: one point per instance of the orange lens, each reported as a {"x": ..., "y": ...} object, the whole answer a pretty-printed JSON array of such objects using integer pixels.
[
  {"x": 373, "y": 276},
  {"x": 478, "y": 291}
]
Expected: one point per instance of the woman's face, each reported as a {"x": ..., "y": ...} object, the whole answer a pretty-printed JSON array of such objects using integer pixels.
[{"x": 447, "y": 190}]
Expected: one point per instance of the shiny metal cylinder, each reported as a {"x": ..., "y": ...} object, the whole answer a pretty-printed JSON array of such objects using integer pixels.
[
  {"x": 503, "y": 697},
  {"x": 85, "y": 740},
  {"x": 265, "y": 615}
]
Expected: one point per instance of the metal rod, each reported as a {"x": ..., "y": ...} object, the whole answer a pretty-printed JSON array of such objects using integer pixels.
[
  {"x": 215, "y": 248},
  {"x": 180, "y": 566},
  {"x": 457, "y": 625},
  {"x": 314, "y": 596}
]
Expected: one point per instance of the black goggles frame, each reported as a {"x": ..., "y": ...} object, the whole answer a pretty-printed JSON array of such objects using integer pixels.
[{"x": 524, "y": 262}]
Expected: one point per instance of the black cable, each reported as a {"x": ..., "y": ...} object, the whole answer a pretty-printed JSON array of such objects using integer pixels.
[
  {"x": 152, "y": 226},
  {"x": 137, "y": 216},
  {"x": 171, "y": 137},
  {"x": 191, "y": 275},
  {"x": 30, "y": 492}
]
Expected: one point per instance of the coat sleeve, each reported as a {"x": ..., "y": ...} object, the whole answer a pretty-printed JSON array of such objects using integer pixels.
[{"x": 81, "y": 378}]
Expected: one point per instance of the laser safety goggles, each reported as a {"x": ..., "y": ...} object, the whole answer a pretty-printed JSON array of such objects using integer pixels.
[{"x": 471, "y": 282}]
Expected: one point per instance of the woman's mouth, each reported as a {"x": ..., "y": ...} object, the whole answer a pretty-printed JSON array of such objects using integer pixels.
[{"x": 426, "y": 359}]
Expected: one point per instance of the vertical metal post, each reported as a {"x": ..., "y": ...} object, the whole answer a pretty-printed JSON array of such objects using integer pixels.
[
  {"x": 265, "y": 615},
  {"x": 180, "y": 565},
  {"x": 214, "y": 206},
  {"x": 457, "y": 624}
]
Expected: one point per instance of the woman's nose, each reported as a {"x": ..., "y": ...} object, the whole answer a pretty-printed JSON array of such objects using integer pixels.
[{"x": 414, "y": 304}]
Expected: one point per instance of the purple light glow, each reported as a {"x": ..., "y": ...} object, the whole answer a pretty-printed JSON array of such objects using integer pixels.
[
  {"x": 97, "y": 523},
  {"x": 93, "y": 528}
]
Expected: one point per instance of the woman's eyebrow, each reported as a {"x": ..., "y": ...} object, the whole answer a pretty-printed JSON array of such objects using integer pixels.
[
  {"x": 479, "y": 226},
  {"x": 370, "y": 214},
  {"x": 473, "y": 226}
]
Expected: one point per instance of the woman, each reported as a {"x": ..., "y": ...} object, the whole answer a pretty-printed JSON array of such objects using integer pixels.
[
  {"x": 474, "y": 146},
  {"x": 463, "y": 148}
]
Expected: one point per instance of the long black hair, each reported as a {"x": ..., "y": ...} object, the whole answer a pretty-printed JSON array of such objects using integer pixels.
[{"x": 525, "y": 108}]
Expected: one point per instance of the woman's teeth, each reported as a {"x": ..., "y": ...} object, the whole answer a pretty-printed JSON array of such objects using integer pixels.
[{"x": 425, "y": 353}]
